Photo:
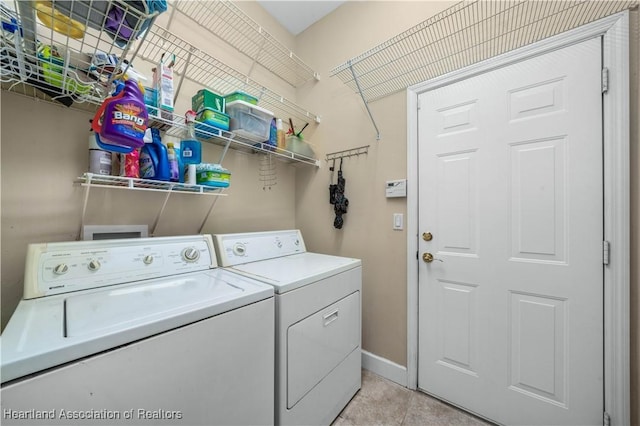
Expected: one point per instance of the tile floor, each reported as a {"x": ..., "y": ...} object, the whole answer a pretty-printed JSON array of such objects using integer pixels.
[{"x": 382, "y": 402}]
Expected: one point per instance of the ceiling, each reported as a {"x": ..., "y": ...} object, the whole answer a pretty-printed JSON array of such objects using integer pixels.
[{"x": 297, "y": 15}]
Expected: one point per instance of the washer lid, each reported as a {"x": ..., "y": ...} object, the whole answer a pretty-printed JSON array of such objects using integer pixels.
[
  {"x": 49, "y": 331},
  {"x": 291, "y": 272},
  {"x": 100, "y": 311}
]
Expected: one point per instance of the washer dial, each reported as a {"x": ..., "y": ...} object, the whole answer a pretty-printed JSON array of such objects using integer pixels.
[
  {"x": 239, "y": 249},
  {"x": 61, "y": 269},
  {"x": 94, "y": 265},
  {"x": 190, "y": 254}
]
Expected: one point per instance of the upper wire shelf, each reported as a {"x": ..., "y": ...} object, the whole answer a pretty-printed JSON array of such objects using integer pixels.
[
  {"x": 468, "y": 32},
  {"x": 205, "y": 70},
  {"x": 225, "y": 20}
]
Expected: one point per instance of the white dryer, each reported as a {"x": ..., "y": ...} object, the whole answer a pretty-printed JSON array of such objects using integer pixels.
[
  {"x": 318, "y": 321},
  {"x": 137, "y": 331}
]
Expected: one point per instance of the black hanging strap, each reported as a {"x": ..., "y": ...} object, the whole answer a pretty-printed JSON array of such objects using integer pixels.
[{"x": 341, "y": 203}]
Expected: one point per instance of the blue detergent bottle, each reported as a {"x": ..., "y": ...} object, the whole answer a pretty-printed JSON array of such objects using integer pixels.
[
  {"x": 154, "y": 161},
  {"x": 190, "y": 147}
]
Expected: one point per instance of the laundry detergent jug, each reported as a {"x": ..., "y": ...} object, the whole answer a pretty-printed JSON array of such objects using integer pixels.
[
  {"x": 154, "y": 161},
  {"x": 121, "y": 121}
]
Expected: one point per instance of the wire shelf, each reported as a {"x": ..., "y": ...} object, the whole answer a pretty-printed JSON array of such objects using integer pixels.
[
  {"x": 72, "y": 78},
  {"x": 225, "y": 20},
  {"x": 118, "y": 182},
  {"x": 77, "y": 65},
  {"x": 91, "y": 180},
  {"x": 207, "y": 71},
  {"x": 466, "y": 33},
  {"x": 228, "y": 139}
]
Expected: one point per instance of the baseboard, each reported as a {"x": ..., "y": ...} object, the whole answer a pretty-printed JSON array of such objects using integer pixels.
[{"x": 385, "y": 368}]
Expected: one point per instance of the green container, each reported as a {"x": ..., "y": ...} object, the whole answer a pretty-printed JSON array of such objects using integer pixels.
[
  {"x": 212, "y": 175},
  {"x": 207, "y": 99},
  {"x": 241, "y": 96},
  {"x": 213, "y": 118}
]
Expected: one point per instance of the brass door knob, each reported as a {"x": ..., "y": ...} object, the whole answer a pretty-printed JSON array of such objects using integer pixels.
[
  {"x": 427, "y": 236},
  {"x": 428, "y": 258}
]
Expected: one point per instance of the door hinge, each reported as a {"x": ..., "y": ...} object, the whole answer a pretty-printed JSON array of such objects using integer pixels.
[
  {"x": 605, "y": 252},
  {"x": 605, "y": 80},
  {"x": 419, "y": 104},
  {"x": 606, "y": 419}
]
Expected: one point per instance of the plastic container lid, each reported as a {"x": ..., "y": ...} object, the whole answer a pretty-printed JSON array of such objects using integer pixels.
[{"x": 252, "y": 106}]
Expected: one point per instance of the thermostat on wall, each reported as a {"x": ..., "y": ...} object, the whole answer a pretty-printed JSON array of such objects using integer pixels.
[{"x": 396, "y": 188}]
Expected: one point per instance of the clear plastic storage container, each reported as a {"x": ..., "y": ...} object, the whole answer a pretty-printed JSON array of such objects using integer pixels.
[{"x": 249, "y": 121}]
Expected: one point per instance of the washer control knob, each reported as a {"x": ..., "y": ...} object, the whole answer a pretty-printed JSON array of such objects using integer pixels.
[
  {"x": 94, "y": 265},
  {"x": 147, "y": 260},
  {"x": 190, "y": 254},
  {"x": 297, "y": 242},
  {"x": 239, "y": 249},
  {"x": 279, "y": 244},
  {"x": 61, "y": 269}
]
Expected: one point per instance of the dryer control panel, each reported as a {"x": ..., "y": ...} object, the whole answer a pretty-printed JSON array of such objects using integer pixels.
[
  {"x": 237, "y": 249},
  {"x": 54, "y": 268}
]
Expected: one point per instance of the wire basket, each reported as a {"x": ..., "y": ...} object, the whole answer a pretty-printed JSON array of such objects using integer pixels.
[{"x": 69, "y": 51}]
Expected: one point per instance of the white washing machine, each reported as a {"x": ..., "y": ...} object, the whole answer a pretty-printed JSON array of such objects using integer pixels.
[
  {"x": 318, "y": 321},
  {"x": 137, "y": 331}
]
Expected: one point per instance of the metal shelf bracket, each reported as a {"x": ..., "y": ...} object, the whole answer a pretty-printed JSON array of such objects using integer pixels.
[{"x": 366, "y": 104}]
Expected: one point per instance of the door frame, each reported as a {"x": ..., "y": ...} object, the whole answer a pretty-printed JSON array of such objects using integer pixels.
[{"x": 616, "y": 115}]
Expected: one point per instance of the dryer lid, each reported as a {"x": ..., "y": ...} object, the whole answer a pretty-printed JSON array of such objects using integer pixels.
[{"x": 291, "y": 272}]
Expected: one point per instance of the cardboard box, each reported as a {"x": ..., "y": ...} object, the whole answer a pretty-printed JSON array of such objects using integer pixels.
[
  {"x": 163, "y": 83},
  {"x": 207, "y": 99}
]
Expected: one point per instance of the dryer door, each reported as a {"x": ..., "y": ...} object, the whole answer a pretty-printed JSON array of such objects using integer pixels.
[{"x": 318, "y": 343}]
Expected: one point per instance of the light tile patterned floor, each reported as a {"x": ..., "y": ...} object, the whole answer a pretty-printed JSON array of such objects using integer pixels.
[{"x": 382, "y": 402}]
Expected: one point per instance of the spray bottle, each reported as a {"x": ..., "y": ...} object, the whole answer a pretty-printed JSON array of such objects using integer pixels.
[
  {"x": 121, "y": 120},
  {"x": 190, "y": 148}
]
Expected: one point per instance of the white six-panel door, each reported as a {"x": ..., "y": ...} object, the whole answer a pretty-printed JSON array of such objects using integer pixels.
[{"x": 510, "y": 187}]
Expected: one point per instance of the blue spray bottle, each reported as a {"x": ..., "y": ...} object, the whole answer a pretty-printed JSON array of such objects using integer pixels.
[{"x": 190, "y": 147}]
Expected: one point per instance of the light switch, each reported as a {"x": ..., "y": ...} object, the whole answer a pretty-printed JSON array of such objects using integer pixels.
[{"x": 398, "y": 219}]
